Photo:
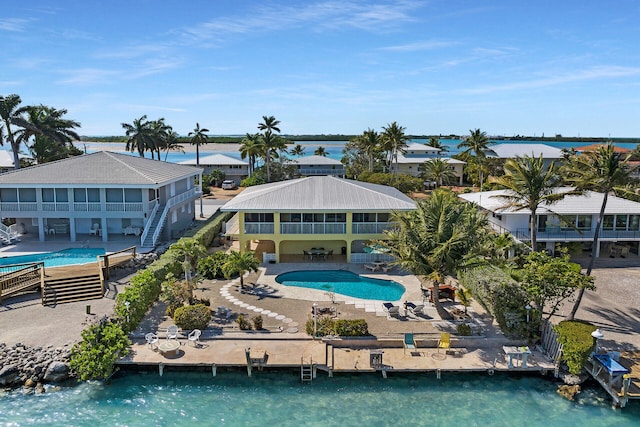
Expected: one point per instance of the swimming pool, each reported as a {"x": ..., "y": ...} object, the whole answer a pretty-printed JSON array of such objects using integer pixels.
[
  {"x": 57, "y": 259},
  {"x": 344, "y": 283}
]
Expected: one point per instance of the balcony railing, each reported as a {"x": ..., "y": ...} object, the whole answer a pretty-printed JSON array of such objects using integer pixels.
[
  {"x": 318, "y": 171},
  {"x": 123, "y": 207},
  {"x": 558, "y": 234},
  {"x": 370, "y": 227},
  {"x": 314, "y": 228},
  {"x": 258, "y": 227},
  {"x": 86, "y": 207},
  {"x": 18, "y": 206}
]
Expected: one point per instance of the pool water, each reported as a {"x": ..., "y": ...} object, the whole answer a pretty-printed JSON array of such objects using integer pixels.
[
  {"x": 344, "y": 283},
  {"x": 57, "y": 259},
  {"x": 279, "y": 399}
]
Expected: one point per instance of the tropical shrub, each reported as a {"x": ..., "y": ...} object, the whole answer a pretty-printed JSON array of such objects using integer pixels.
[
  {"x": 324, "y": 326},
  {"x": 243, "y": 323},
  {"x": 192, "y": 316},
  {"x": 251, "y": 181},
  {"x": 464, "y": 329},
  {"x": 102, "y": 344},
  {"x": 257, "y": 322},
  {"x": 211, "y": 266},
  {"x": 351, "y": 328},
  {"x": 176, "y": 293},
  {"x": 577, "y": 343},
  {"x": 133, "y": 303}
]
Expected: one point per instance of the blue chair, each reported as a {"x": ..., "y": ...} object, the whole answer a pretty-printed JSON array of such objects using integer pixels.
[{"x": 409, "y": 342}]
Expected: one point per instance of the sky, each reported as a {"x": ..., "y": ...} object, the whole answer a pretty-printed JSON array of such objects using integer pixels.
[{"x": 445, "y": 67}]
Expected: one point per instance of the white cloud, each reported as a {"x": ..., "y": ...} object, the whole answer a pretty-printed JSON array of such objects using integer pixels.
[
  {"x": 419, "y": 46},
  {"x": 14, "y": 24}
]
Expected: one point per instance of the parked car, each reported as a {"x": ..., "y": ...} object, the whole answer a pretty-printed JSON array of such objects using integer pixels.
[{"x": 228, "y": 184}]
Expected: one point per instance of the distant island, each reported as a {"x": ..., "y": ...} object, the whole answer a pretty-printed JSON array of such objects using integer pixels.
[{"x": 236, "y": 139}]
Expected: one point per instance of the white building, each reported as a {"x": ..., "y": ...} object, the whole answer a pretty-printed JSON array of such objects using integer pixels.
[
  {"x": 234, "y": 169},
  {"x": 416, "y": 154}
]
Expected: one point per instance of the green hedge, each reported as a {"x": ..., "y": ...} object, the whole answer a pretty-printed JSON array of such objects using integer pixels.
[
  {"x": 577, "y": 343},
  {"x": 192, "y": 317},
  {"x": 343, "y": 327}
]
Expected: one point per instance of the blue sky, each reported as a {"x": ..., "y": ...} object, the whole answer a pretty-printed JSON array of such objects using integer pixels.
[{"x": 336, "y": 66}]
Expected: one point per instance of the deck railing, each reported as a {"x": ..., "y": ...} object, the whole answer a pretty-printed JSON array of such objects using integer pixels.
[
  {"x": 113, "y": 259},
  {"x": 18, "y": 277}
]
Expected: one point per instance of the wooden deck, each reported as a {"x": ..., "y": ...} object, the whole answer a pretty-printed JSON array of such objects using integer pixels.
[{"x": 631, "y": 361}]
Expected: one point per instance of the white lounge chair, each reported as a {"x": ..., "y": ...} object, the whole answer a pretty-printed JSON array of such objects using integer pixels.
[
  {"x": 415, "y": 309},
  {"x": 194, "y": 337},
  {"x": 371, "y": 267},
  {"x": 95, "y": 230},
  {"x": 172, "y": 332},
  {"x": 387, "y": 268},
  {"x": 392, "y": 310},
  {"x": 152, "y": 340}
]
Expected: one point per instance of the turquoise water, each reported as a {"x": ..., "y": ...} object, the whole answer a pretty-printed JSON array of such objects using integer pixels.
[
  {"x": 57, "y": 259},
  {"x": 344, "y": 283},
  {"x": 278, "y": 399}
]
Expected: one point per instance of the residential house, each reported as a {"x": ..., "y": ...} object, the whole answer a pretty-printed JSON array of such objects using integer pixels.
[
  {"x": 572, "y": 219},
  {"x": 317, "y": 165},
  {"x": 102, "y": 194},
  {"x": 513, "y": 150},
  {"x": 339, "y": 216},
  {"x": 233, "y": 169},
  {"x": 416, "y": 154}
]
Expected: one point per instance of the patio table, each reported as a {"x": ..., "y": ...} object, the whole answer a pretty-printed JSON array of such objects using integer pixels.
[{"x": 520, "y": 353}]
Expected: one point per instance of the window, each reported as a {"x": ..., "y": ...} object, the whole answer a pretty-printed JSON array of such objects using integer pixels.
[
  {"x": 634, "y": 222},
  {"x": 542, "y": 222},
  {"x": 584, "y": 222},
  {"x": 174, "y": 217},
  {"x": 258, "y": 217},
  {"x": 621, "y": 222},
  {"x": 607, "y": 222}
]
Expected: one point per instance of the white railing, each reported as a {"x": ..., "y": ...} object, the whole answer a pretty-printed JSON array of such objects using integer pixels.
[
  {"x": 317, "y": 171},
  {"x": 170, "y": 203},
  {"x": 152, "y": 215},
  {"x": 123, "y": 207},
  {"x": 163, "y": 217},
  {"x": 369, "y": 227},
  {"x": 8, "y": 233},
  {"x": 314, "y": 228},
  {"x": 362, "y": 258},
  {"x": 86, "y": 206},
  {"x": 18, "y": 206},
  {"x": 55, "y": 206},
  {"x": 258, "y": 227}
]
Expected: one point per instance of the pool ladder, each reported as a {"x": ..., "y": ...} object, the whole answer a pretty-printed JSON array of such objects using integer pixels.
[{"x": 307, "y": 370}]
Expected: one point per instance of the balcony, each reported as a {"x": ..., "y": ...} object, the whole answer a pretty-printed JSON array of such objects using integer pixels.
[
  {"x": 583, "y": 235},
  {"x": 314, "y": 228},
  {"x": 370, "y": 227},
  {"x": 258, "y": 228}
]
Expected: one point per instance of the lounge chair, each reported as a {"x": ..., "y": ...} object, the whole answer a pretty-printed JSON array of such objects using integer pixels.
[
  {"x": 392, "y": 310},
  {"x": 194, "y": 337},
  {"x": 445, "y": 341},
  {"x": 409, "y": 342},
  {"x": 172, "y": 332},
  {"x": 95, "y": 230},
  {"x": 387, "y": 268},
  {"x": 415, "y": 309},
  {"x": 371, "y": 267},
  {"x": 152, "y": 340}
]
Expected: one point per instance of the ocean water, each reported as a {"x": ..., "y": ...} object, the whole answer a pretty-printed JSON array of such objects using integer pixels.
[{"x": 279, "y": 399}]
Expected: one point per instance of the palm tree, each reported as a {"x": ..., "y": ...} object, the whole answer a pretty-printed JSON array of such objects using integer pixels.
[
  {"x": 139, "y": 135},
  {"x": 297, "y": 151},
  {"x": 477, "y": 142},
  {"x": 198, "y": 136},
  {"x": 12, "y": 114},
  {"x": 320, "y": 151},
  {"x": 239, "y": 263},
  {"x": 271, "y": 143},
  {"x": 52, "y": 134},
  {"x": 394, "y": 141},
  {"x": 172, "y": 144},
  {"x": 529, "y": 184},
  {"x": 437, "y": 170},
  {"x": 160, "y": 131},
  {"x": 370, "y": 143},
  {"x": 250, "y": 148},
  {"x": 434, "y": 142},
  {"x": 441, "y": 236},
  {"x": 603, "y": 171}
]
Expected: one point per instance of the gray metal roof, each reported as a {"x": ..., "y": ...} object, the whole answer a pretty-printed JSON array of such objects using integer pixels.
[
  {"x": 421, "y": 159},
  {"x": 416, "y": 146},
  {"x": 102, "y": 168},
  {"x": 216, "y": 159},
  {"x": 588, "y": 204},
  {"x": 320, "y": 194},
  {"x": 510, "y": 151},
  {"x": 315, "y": 160}
]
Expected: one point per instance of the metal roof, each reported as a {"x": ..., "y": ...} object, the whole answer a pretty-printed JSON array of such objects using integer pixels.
[
  {"x": 416, "y": 146},
  {"x": 588, "y": 204},
  {"x": 510, "y": 151},
  {"x": 103, "y": 168},
  {"x": 421, "y": 159},
  {"x": 216, "y": 159},
  {"x": 320, "y": 194}
]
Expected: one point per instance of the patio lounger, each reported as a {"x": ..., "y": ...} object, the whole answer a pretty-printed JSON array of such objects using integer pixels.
[
  {"x": 409, "y": 342},
  {"x": 371, "y": 267},
  {"x": 392, "y": 310}
]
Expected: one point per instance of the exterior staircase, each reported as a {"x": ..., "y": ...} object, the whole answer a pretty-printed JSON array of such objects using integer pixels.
[
  {"x": 156, "y": 222},
  {"x": 8, "y": 234},
  {"x": 69, "y": 289}
]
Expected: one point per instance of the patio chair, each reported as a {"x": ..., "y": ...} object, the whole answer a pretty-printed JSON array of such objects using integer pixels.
[
  {"x": 392, "y": 310},
  {"x": 445, "y": 341},
  {"x": 194, "y": 337},
  {"x": 415, "y": 309},
  {"x": 152, "y": 340},
  {"x": 409, "y": 342},
  {"x": 371, "y": 267},
  {"x": 387, "y": 268},
  {"x": 172, "y": 332},
  {"x": 95, "y": 230}
]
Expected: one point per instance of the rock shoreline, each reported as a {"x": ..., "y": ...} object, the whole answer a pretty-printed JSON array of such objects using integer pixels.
[{"x": 31, "y": 367}]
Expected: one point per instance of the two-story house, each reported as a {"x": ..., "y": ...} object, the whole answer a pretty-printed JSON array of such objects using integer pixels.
[
  {"x": 340, "y": 216},
  {"x": 101, "y": 194}
]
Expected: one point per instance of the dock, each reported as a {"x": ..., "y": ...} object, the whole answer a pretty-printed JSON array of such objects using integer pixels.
[{"x": 333, "y": 356}]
